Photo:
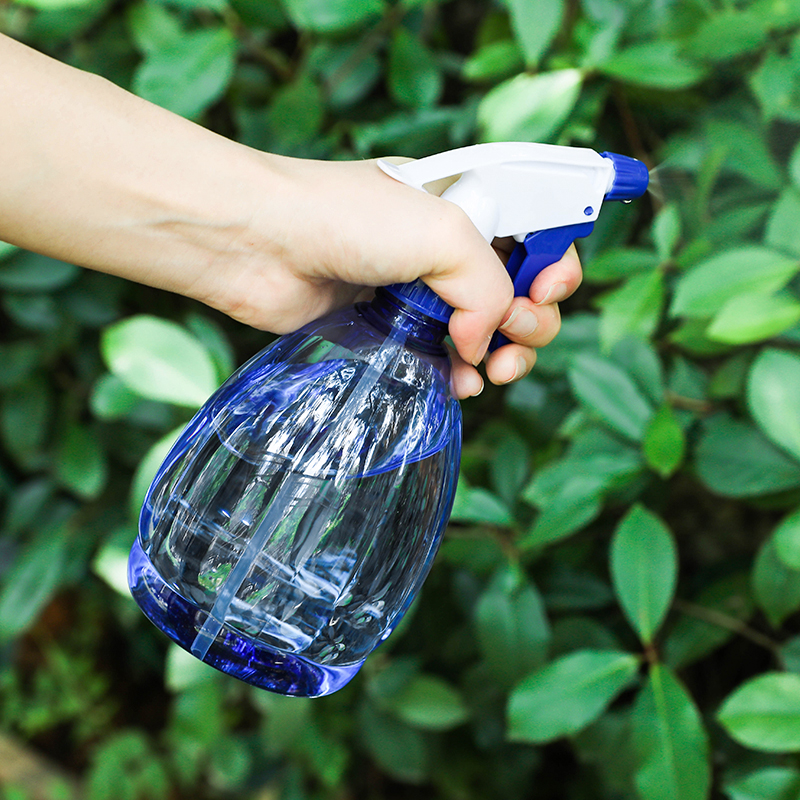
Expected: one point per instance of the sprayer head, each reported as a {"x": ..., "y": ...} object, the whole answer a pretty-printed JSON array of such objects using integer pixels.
[{"x": 630, "y": 177}]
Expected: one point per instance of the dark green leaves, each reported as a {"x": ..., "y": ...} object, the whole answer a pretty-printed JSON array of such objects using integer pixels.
[
  {"x": 414, "y": 78},
  {"x": 644, "y": 566},
  {"x": 764, "y": 713}
]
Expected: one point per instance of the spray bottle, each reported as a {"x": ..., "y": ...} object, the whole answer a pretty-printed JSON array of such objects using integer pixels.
[{"x": 296, "y": 517}]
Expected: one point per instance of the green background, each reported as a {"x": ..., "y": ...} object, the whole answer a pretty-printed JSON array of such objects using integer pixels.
[{"x": 615, "y": 611}]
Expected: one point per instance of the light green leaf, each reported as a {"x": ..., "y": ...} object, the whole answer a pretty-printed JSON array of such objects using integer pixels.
[
  {"x": 190, "y": 73},
  {"x": 148, "y": 467},
  {"x": 183, "y": 670},
  {"x": 776, "y": 84},
  {"x": 568, "y": 694},
  {"x": 616, "y": 263},
  {"x": 474, "y": 504},
  {"x": 414, "y": 79},
  {"x": 776, "y": 587},
  {"x": 632, "y": 310},
  {"x": 430, "y": 703},
  {"x": 764, "y": 713},
  {"x": 529, "y": 108},
  {"x": 329, "y": 16},
  {"x": 160, "y": 360},
  {"x": 512, "y": 628},
  {"x": 493, "y": 61},
  {"x": 733, "y": 459},
  {"x": 667, "y": 230},
  {"x": 769, "y": 783},
  {"x": 670, "y": 740},
  {"x": 754, "y": 318},
  {"x": 611, "y": 394},
  {"x": 80, "y": 463},
  {"x": 704, "y": 289},
  {"x": 782, "y": 225},
  {"x": 535, "y": 25},
  {"x": 726, "y": 35},
  {"x": 654, "y": 64},
  {"x": 644, "y": 569},
  {"x": 773, "y": 389},
  {"x": 794, "y": 166},
  {"x": 664, "y": 442},
  {"x": 56, "y": 5},
  {"x": 787, "y": 540},
  {"x": 153, "y": 27}
]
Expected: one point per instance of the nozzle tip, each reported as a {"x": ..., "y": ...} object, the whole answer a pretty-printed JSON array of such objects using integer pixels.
[{"x": 630, "y": 177}]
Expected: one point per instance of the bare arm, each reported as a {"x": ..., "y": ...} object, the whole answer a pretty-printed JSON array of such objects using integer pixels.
[{"x": 94, "y": 175}]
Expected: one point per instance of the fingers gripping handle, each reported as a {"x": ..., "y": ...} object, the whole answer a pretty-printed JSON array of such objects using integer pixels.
[{"x": 540, "y": 249}]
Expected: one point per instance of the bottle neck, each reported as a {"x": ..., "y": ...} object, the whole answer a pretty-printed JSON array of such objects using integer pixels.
[{"x": 388, "y": 312}]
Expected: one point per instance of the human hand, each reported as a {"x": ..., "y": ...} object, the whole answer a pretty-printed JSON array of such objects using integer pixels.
[{"x": 338, "y": 227}]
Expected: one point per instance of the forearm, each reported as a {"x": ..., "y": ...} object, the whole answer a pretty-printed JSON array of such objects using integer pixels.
[{"x": 94, "y": 175}]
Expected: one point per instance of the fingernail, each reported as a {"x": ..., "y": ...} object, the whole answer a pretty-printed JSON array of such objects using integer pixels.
[
  {"x": 555, "y": 294},
  {"x": 522, "y": 323},
  {"x": 481, "y": 352},
  {"x": 479, "y": 390},
  {"x": 521, "y": 368}
]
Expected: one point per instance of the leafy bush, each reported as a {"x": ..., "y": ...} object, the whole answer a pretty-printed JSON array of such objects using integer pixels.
[{"x": 614, "y": 611}]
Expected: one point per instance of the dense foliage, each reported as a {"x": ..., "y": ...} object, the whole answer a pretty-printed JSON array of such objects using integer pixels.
[{"x": 615, "y": 611}]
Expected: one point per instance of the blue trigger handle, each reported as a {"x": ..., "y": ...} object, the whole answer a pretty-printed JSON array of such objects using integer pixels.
[{"x": 540, "y": 249}]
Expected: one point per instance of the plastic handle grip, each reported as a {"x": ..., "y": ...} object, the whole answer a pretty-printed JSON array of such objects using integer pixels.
[{"x": 539, "y": 250}]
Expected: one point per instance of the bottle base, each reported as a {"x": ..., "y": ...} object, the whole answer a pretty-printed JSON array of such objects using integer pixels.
[{"x": 230, "y": 652}]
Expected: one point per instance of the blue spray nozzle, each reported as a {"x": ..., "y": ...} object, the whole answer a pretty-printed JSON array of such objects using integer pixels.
[{"x": 631, "y": 177}]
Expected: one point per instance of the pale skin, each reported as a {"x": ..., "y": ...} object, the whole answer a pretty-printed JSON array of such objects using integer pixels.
[{"x": 93, "y": 175}]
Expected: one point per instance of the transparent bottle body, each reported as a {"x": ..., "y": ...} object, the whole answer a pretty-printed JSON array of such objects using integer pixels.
[{"x": 295, "y": 519}]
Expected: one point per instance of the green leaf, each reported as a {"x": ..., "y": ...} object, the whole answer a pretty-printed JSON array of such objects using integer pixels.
[
  {"x": 773, "y": 389},
  {"x": 782, "y": 225},
  {"x": 25, "y": 413},
  {"x": 152, "y": 26},
  {"x": 296, "y": 114},
  {"x": 697, "y": 634},
  {"x": 616, "y": 263},
  {"x": 794, "y": 166},
  {"x": 401, "y": 751},
  {"x": 414, "y": 79},
  {"x": 644, "y": 569},
  {"x": 744, "y": 271},
  {"x": 493, "y": 61},
  {"x": 30, "y": 272},
  {"x": 329, "y": 16},
  {"x": 512, "y": 628},
  {"x": 576, "y": 503},
  {"x": 148, "y": 467},
  {"x": 473, "y": 504},
  {"x": 664, "y": 443},
  {"x": 31, "y": 582},
  {"x": 81, "y": 465},
  {"x": 611, "y": 394},
  {"x": 769, "y": 783},
  {"x": 764, "y": 713},
  {"x": 529, "y": 108},
  {"x": 657, "y": 65},
  {"x": 776, "y": 587},
  {"x": 670, "y": 740},
  {"x": 733, "y": 459},
  {"x": 159, "y": 360},
  {"x": 754, "y": 318},
  {"x": 535, "y": 25},
  {"x": 632, "y": 310},
  {"x": 667, "y": 230},
  {"x": 787, "y": 540},
  {"x": 190, "y": 72},
  {"x": 776, "y": 84},
  {"x": 567, "y": 694},
  {"x": 726, "y": 35},
  {"x": 112, "y": 399},
  {"x": 430, "y": 703}
]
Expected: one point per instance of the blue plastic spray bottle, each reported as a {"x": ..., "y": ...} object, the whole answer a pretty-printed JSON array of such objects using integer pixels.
[{"x": 296, "y": 517}]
